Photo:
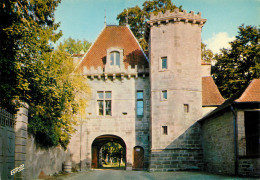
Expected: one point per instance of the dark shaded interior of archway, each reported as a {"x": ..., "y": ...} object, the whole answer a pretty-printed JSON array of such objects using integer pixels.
[{"x": 101, "y": 141}]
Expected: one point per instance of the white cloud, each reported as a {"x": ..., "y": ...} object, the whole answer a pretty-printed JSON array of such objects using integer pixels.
[{"x": 219, "y": 41}]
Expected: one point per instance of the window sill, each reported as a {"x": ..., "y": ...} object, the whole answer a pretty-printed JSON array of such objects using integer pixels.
[
  {"x": 163, "y": 70},
  {"x": 139, "y": 117}
]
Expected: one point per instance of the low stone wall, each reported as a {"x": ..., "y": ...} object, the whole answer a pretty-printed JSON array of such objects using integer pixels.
[
  {"x": 249, "y": 166},
  {"x": 34, "y": 160},
  {"x": 184, "y": 153},
  {"x": 218, "y": 144},
  {"x": 40, "y": 160},
  {"x": 176, "y": 160}
]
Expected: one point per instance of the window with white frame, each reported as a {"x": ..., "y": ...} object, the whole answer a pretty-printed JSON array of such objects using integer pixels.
[
  {"x": 139, "y": 103},
  {"x": 114, "y": 58},
  {"x": 104, "y": 101}
]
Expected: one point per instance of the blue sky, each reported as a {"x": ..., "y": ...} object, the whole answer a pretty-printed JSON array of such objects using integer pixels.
[{"x": 84, "y": 19}]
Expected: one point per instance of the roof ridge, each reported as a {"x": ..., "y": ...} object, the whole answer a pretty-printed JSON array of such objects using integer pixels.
[
  {"x": 138, "y": 43},
  {"x": 89, "y": 49},
  {"x": 247, "y": 89}
]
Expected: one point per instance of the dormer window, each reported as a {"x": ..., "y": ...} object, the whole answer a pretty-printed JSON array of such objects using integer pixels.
[{"x": 114, "y": 58}]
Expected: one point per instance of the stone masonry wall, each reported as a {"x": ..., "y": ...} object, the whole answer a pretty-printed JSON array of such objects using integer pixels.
[
  {"x": 123, "y": 122},
  {"x": 249, "y": 166},
  {"x": 41, "y": 160},
  {"x": 175, "y": 37},
  {"x": 184, "y": 153},
  {"x": 35, "y": 161},
  {"x": 218, "y": 144}
]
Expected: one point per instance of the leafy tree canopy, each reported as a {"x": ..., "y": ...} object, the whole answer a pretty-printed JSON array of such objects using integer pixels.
[
  {"x": 237, "y": 66},
  {"x": 31, "y": 72},
  {"x": 137, "y": 17},
  {"x": 73, "y": 46},
  {"x": 26, "y": 29}
]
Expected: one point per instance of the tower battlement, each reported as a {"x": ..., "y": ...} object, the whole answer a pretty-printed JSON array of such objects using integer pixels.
[{"x": 177, "y": 16}]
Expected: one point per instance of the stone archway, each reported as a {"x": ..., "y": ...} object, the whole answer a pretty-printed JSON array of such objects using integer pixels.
[{"x": 101, "y": 141}]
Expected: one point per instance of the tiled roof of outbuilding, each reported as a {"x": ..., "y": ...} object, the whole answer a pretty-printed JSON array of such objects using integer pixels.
[
  {"x": 210, "y": 93},
  {"x": 246, "y": 97},
  {"x": 118, "y": 37},
  {"x": 252, "y": 92}
]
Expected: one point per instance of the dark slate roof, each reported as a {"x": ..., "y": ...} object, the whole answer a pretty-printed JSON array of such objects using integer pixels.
[{"x": 210, "y": 92}]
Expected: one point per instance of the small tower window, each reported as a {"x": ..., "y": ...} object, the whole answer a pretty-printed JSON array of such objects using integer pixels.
[
  {"x": 164, "y": 95},
  {"x": 186, "y": 108},
  {"x": 165, "y": 130},
  {"x": 115, "y": 58},
  {"x": 164, "y": 63}
]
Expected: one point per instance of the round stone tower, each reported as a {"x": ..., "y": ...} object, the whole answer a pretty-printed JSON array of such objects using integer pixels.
[{"x": 176, "y": 97}]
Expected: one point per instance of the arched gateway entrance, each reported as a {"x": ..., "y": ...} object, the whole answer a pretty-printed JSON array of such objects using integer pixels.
[{"x": 100, "y": 142}]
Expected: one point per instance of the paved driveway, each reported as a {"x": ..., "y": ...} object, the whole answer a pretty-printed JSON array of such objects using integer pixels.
[{"x": 142, "y": 175}]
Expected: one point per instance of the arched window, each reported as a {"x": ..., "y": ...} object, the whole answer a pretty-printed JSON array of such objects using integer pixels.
[{"x": 114, "y": 58}]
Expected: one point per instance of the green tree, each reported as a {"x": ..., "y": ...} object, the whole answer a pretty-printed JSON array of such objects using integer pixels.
[
  {"x": 31, "y": 72},
  {"x": 237, "y": 66},
  {"x": 74, "y": 46},
  {"x": 59, "y": 100},
  {"x": 206, "y": 54},
  {"x": 138, "y": 17},
  {"x": 112, "y": 150},
  {"x": 26, "y": 29}
]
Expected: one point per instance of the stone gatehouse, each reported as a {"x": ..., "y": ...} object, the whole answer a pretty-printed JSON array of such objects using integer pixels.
[
  {"x": 149, "y": 102},
  {"x": 145, "y": 100}
]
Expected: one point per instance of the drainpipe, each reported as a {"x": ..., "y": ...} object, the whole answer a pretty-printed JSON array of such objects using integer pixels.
[
  {"x": 80, "y": 143},
  {"x": 234, "y": 111}
]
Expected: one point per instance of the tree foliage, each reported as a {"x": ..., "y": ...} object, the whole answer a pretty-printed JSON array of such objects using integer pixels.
[
  {"x": 237, "y": 66},
  {"x": 138, "y": 17},
  {"x": 73, "y": 46},
  {"x": 25, "y": 30},
  {"x": 31, "y": 72},
  {"x": 112, "y": 150},
  {"x": 206, "y": 54},
  {"x": 57, "y": 97}
]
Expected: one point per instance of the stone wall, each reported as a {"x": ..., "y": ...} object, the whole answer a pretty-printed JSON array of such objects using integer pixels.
[
  {"x": 205, "y": 70},
  {"x": 218, "y": 144},
  {"x": 123, "y": 122},
  {"x": 206, "y": 110},
  {"x": 184, "y": 153},
  {"x": 175, "y": 37},
  {"x": 48, "y": 161},
  {"x": 249, "y": 166},
  {"x": 35, "y": 161}
]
